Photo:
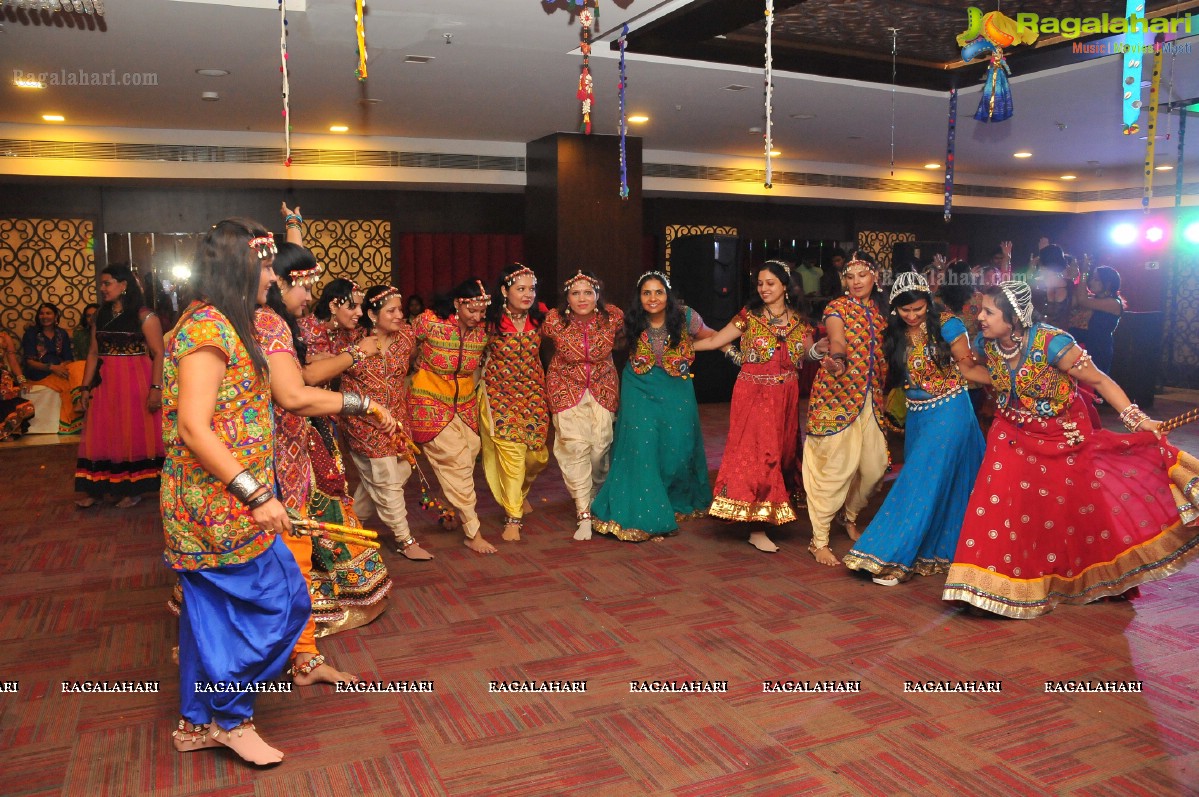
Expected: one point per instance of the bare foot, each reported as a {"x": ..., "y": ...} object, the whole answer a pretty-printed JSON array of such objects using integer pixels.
[
  {"x": 851, "y": 528},
  {"x": 584, "y": 530},
  {"x": 414, "y": 552},
  {"x": 86, "y": 503},
  {"x": 324, "y": 674},
  {"x": 478, "y": 544},
  {"x": 245, "y": 741},
  {"x": 824, "y": 556},
  {"x": 526, "y": 507},
  {"x": 759, "y": 540},
  {"x": 188, "y": 737},
  {"x": 511, "y": 532},
  {"x": 128, "y": 501}
]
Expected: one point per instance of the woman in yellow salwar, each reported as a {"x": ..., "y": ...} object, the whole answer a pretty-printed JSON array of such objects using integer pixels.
[{"x": 514, "y": 415}]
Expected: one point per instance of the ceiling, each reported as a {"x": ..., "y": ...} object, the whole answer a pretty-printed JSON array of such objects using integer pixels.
[{"x": 507, "y": 71}]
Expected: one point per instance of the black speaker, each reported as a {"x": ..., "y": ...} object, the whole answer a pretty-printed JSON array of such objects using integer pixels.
[
  {"x": 706, "y": 273},
  {"x": 918, "y": 252},
  {"x": 1137, "y": 353}
]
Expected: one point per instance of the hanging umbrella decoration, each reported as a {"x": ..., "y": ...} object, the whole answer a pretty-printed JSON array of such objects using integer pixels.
[
  {"x": 988, "y": 34},
  {"x": 360, "y": 38}
]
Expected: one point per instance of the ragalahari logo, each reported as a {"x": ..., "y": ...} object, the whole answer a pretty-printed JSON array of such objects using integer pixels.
[{"x": 1073, "y": 27}]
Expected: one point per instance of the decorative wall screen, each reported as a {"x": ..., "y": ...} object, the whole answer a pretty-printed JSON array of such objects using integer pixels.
[
  {"x": 880, "y": 244},
  {"x": 680, "y": 230},
  {"x": 356, "y": 249},
  {"x": 45, "y": 260}
]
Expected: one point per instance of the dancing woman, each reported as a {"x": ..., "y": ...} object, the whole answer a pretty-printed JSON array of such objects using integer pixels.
[
  {"x": 380, "y": 457},
  {"x": 1064, "y": 511},
  {"x": 514, "y": 415},
  {"x": 450, "y": 340},
  {"x": 1097, "y": 308},
  {"x": 581, "y": 382},
  {"x": 659, "y": 473},
  {"x": 845, "y": 454},
  {"x": 916, "y": 529},
  {"x": 760, "y": 469}
]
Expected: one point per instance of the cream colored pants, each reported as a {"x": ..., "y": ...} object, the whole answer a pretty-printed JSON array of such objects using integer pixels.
[
  {"x": 843, "y": 470},
  {"x": 452, "y": 454},
  {"x": 381, "y": 491},
  {"x": 582, "y": 440}
]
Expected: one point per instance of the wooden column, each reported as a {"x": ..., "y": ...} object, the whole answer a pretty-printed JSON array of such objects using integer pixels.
[{"x": 574, "y": 216}]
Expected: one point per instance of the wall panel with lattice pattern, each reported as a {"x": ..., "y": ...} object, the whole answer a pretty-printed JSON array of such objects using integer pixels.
[
  {"x": 45, "y": 260},
  {"x": 355, "y": 249}
]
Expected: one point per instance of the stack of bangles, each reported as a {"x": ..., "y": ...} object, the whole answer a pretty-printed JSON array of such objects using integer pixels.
[
  {"x": 734, "y": 355},
  {"x": 354, "y": 404},
  {"x": 355, "y": 352},
  {"x": 1132, "y": 417},
  {"x": 293, "y": 221},
  {"x": 243, "y": 487},
  {"x": 814, "y": 355}
]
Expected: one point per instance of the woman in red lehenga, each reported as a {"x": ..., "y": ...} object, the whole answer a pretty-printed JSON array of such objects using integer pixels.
[
  {"x": 1064, "y": 511},
  {"x": 760, "y": 470}
]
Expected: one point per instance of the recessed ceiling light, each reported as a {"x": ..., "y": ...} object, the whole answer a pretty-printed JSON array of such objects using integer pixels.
[
  {"x": 339, "y": 129},
  {"x": 418, "y": 59},
  {"x": 734, "y": 87},
  {"x": 53, "y": 117},
  {"x": 803, "y": 116},
  {"x": 369, "y": 101},
  {"x": 638, "y": 119},
  {"x": 774, "y": 153},
  {"x": 1069, "y": 177},
  {"x": 212, "y": 72},
  {"x": 1165, "y": 167},
  {"x": 1022, "y": 154},
  {"x": 209, "y": 96},
  {"x": 932, "y": 166},
  {"x": 28, "y": 83}
]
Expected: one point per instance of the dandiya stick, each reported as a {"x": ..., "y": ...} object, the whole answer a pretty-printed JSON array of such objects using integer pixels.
[{"x": 1190, "y": 416}]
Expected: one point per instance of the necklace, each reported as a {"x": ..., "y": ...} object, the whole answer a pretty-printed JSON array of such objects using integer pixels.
[
  {"x": 1009, "y": 354},
  {"x": 516, "y": 316},
  {"x": 776, "y": 320},
  {"x": 918, "y": 336}
]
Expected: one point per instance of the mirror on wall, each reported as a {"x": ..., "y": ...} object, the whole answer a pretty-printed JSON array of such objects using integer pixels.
[{"x": 163, "y": 263}]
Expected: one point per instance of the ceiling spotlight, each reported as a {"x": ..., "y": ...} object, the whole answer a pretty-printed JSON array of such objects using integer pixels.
[
  {"x": 339, "y": 129},
  {"x": 1069, "y": 177},
  {"x": 181, "y": 272},
  {"x": 1165, "y": 167},
  {"x": 209, "y": 96},
  {"x": 53, "y": 117},
  {"x": 639, "y": 118},
  {"x": 803, "y": 116},
  {"x": 212, "y": 72},
  {"x": 932, "y": 166},
  {"x": 1124, "y": 234},
  {"x": 28, "y": 83},
  {"x": 1022, "y": 154}
]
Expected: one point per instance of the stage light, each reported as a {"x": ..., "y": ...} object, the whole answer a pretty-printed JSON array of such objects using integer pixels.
[
  {"x": 1124, "y": 234},
  {"x": 1154, "y": 234},
  {"x": 1191, "y": 232}
]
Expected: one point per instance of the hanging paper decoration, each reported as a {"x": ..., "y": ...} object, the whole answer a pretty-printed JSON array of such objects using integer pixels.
[
  {"x": 360, "y": 28},
  {"x": 949, "y": 142},
  {"x": 989, "y": 34},
  {"x": 624, "y": 122},
  {"x": 769, "y": 91},
  {"x": 1154, "y": 84},
  {"x": 286, "y": 87},
  {"x": 894, "y": 51},
  {"x": 1131, "y": 77},
  {"x": 1182, "y": 134},
  {"x": 586, "y": 93}
]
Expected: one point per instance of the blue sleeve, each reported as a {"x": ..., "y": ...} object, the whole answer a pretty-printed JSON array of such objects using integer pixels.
[
  {"x": 952, "y": 329},
  {"x": 1057, "y": 346},
  {"x": 980, "y": 346},
  {"x": 29, "y": 344}
]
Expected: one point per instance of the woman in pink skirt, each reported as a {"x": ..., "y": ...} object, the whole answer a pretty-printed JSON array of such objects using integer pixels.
[{"x": 121, "y": 450}]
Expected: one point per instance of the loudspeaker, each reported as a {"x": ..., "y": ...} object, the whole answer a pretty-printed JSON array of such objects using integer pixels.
[
  {"x": 1137, "y": 353},
  {"x": 706, "y": 274},
  {"x": 918, "y": 252}
]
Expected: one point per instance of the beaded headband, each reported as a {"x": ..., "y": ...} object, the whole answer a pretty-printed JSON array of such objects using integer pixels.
[
  {"x": 306, "y": 277},
  {"x": 859, "y": 262},
  {"x": 384, "y": 295},
  {"x": 581, "y": 277},
  {"x": 476, "y": 302},
  {"x": 658, "y": 275},
  {"x": 356, "y": 297},
  {"x": 909, "y": 281},
  {"x": 781, "y": 264},
  {"x": 264, "y": 246},
  {"x": 523, "y": 271},
  {"x": 1019, "y": 295}
]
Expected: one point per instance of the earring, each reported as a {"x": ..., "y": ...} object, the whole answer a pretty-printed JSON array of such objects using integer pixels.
[{"x": 333, "y": 322}]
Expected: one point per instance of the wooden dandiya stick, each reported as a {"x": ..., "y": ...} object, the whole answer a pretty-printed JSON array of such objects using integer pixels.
[
  {"x": 1190, "y": 416},
  {"x": 337, "y": 533}
]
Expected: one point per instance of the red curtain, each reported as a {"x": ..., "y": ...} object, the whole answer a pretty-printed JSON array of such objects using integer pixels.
[{"x": 431, "y": 263}]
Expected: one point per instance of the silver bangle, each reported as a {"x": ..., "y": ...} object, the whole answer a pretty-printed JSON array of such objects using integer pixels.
[
  {"x": 354, "y": 404},
  {"x": 244, "y": 485},
  {"x": 814, "y": 355},
  {"x": 734, "y": 356}
]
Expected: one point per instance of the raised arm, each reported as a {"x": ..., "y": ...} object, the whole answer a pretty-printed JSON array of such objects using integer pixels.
[{"x": 294, "y": 223}]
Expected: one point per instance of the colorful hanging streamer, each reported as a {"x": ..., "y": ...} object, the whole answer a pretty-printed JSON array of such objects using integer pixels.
[
  {"x": 360, "y": 28},
  {"x": 769, "y": 91},
  {"x": 1154, "y": 84},
  {"x": 1182, "y": 134},
  {"x": 1131, "y": 78},
  {"x": 586, "y": 93},
  {"x": 624, "y": 122},
  {"x": 286, "y": 87},
  {"x": 949, "y": 145}
]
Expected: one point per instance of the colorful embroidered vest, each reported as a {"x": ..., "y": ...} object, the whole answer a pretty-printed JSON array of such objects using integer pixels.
[
  {"x": 837, "y": 401},
  {"x": 1039, "y": 387},
  {"x": 924, "y": 373},
  {"x": 676, "y": 360},
  {"x": 759, "y": 339}
]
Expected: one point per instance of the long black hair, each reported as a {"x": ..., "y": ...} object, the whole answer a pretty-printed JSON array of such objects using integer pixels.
[
  {"x": 793, "y": 293},
  {"x": 958, "y": 287},
  {"x": 1110, "y": 279},
  {"x": 505, "y": 281},
  {"x": 132, "y": 300},
  {"x": 340, "y": 290},
  {"x": 227, "y": 275},
  {"x": 564, "y": 304},
  {"x": 373, "y": 302},
  {"x": 290, "y": 257},
  {"x": 636, "y": 320},
  {"x": 443, "y": 305},
  {"x": 895, "y": 342}
]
